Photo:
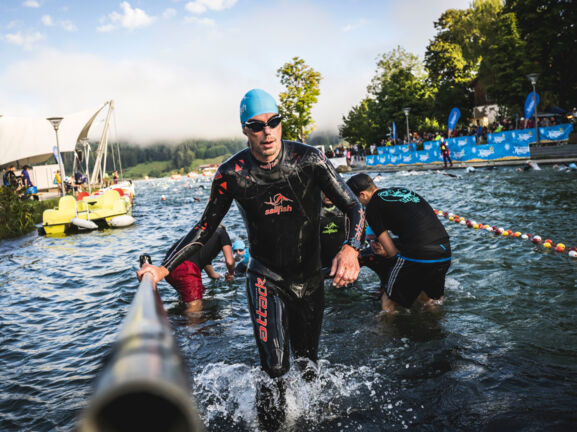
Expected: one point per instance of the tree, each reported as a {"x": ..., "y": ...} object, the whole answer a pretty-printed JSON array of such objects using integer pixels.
[
  {"x": 505, "y": 65},
  {"x": 357, "y": 127},
  {"x": 549, "y": 30},
  {"x": 302, "y": 91},
  {"x": 449, "y": 72},
  {"x": 400, "y": 82}
]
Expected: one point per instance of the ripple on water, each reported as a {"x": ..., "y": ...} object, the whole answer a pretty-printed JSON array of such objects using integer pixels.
[{"x": 499, "y": 353}]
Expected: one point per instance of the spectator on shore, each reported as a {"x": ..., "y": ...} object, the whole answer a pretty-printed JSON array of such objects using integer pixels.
[{"x": 26, "y": 176}]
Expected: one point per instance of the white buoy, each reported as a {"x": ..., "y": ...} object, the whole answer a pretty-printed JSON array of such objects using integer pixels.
[
  {"x": 84, "y": 223},
  {"x": 121, "y": 221},
  {"x": 573, "y": 254}
]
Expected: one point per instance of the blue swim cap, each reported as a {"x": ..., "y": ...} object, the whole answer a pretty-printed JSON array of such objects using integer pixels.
[
  {"x": 256, "y": 102},
  {"x": 572, "y": 166},
  {"x": 238, "y": 244}
]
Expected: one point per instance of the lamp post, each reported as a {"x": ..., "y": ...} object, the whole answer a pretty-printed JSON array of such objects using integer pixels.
[
  {"x": 55, "y": 124},
  {"x": 406, "y": 111},
  {"x": 533, "y": 78}
]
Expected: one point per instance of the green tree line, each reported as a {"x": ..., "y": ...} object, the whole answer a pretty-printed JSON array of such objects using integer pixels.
[
  {"x": 181, "y": 157},
  {"x": 478, "y": 56}
]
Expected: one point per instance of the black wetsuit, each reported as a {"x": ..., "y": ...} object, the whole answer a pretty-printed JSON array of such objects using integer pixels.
[
  {"x": 424, "y": 247},
  {"x": 445, "y": 153},
  {"x": 333, "y": 233},
  {"x": 280, "y": 203},
  {"x": 187, "y": 279},
  {"x": 209, "y": 251},
  {"x": 379, "y": 264}
]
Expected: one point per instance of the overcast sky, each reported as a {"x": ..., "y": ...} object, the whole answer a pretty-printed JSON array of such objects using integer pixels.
[{"x": 178, "y": 69}]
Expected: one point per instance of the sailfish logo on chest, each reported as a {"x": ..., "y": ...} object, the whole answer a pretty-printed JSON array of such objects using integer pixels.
[{"x": 278, "y": 205}]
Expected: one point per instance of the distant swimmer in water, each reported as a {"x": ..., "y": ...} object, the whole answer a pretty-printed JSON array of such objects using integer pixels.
[
  {"x": 277, "y": 187},
  {"x": 531, "y": 166},
  {"x": 422, "y": 250},
  {"x": 241, "y": 257}
]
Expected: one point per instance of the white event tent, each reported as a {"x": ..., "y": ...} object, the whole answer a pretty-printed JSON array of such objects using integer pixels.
[{"x": 26, "y": 140}]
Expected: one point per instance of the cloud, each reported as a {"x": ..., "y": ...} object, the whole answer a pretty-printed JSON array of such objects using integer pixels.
[
  {"x": 47, "y": 20},
  {"x": 350, "y": 27},
  {"x": 66, "y": 25},
  {"x": 169, "y": 13},
  {"x": 201, "y": 6},
  {"x": 129, "y": 18},
  {"x": 154, "y": 100},
  {"x": 26, "y": 41},
  {"x": 31, "y": 4},
  {"x": 207, "y": 22}
]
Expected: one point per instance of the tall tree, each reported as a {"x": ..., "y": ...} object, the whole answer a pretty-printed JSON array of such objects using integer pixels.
[
  {"x": 450, "y": 73},
  {"x": 549, "y": 29},
  {"x": 400, "y": 82},
  {"x": 358, "y": 127},
  {"x": 302, "y": 85},
  {"x": 505, "y": 65}
]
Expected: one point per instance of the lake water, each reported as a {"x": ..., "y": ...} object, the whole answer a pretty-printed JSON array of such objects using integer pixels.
[{"x": 500, "y": 354}]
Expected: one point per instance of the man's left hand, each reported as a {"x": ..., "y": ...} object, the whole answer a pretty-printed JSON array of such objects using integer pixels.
[{"x": 345, "y": 268}]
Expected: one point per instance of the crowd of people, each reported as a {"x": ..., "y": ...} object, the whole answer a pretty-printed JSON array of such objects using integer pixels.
[
  {"x": 304, "y": 224},
  {"x": 21, "y": 184},
  {"x": 480, "y": 133}
]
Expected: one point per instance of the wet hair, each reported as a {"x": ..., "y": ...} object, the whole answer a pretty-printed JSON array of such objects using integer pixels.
[{"x": 360, "y": 182}]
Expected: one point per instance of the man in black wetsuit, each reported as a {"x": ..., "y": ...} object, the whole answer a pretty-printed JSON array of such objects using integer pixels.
[
  {"x": 186, "y": 278},
  {"x": 333, "y": 231},
  {"x": 422, "y": 250},
  {"x": 277, "y": 186}
]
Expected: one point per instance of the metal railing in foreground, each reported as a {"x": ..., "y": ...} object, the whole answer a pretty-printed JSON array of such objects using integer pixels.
[{"x": 144, "y": 386}]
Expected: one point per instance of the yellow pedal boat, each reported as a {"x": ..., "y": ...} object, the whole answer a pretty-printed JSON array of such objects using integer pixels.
[{"x": 94, "y": 211}]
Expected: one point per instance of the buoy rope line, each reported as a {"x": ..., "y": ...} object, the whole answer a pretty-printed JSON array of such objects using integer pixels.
[{"x": 547, "y": 244}]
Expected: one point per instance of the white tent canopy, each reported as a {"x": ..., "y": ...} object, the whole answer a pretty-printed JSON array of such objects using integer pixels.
[{"x": 32, "y": 140}]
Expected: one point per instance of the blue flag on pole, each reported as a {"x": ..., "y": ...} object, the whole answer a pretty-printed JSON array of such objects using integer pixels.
[
  {"x": 454, "y": 118},
  {"x": 55, "y": 151},
  {"x": 394, "y": 131},
  {"x": 530, "y": 104}
]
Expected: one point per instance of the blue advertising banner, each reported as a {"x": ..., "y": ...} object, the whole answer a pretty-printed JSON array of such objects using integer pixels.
[
  {"x": 530, "y": 103},
  {"x": 500, "y": 137},
  {"x": 407, "y": 158},
  {"x": 555, "y": 133},
  {"x": 55, "y": 152},
  {"x": 370, "y": 160},
  {"x": 523, "y": 136},
  {"x": 403, "y": 149},
  {"x": 383, "y": 160},
  {"x": 381, "y": 150},
  {"x": 394, "y": 131},
  {"x": 424, "y": 157},
  {"x": 430, "y": 145},
  {"x": 454, "y": 118}
]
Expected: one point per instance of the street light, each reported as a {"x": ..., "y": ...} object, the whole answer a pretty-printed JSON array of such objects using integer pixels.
[
  {"x": 533, "y": 78},
  {"x": 406, "y": 111},
  {"x": 55, "y": 124}
]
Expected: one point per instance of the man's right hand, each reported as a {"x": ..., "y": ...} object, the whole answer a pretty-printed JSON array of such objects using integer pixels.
[{"x": 158, "y": 273}]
